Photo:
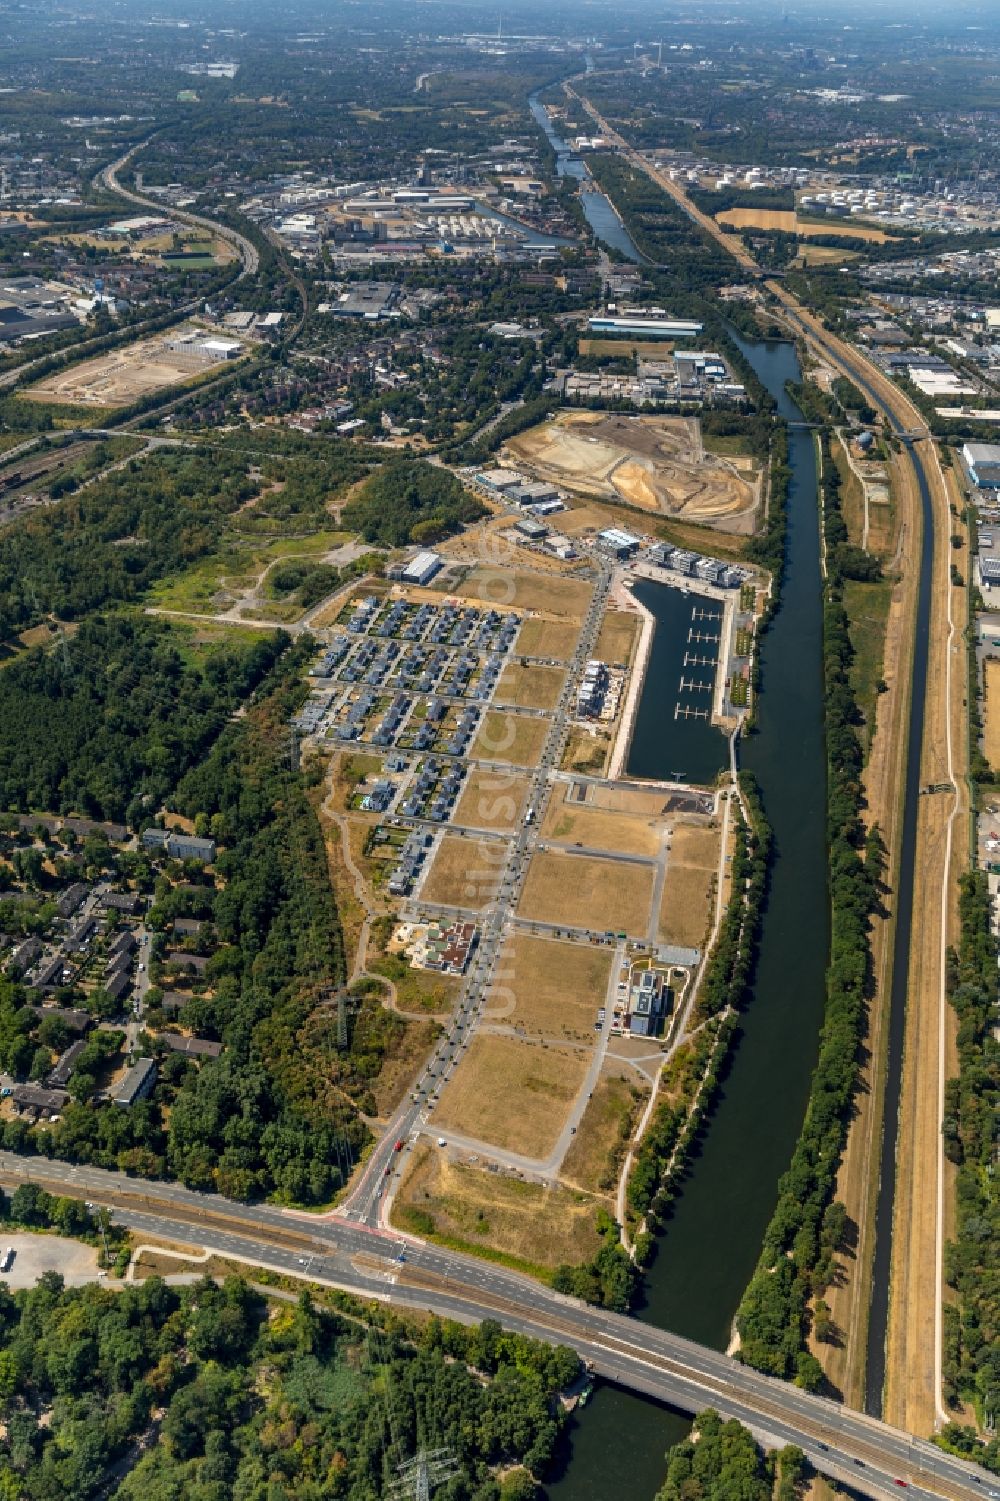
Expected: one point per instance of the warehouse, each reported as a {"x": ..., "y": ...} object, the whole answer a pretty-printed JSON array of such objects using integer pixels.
[
  {"x": 422, "y": 568},
  {"x": 983, "y": 462},
  {"x": 622, "y": 544},
  {"x": 644, "y": 326}
]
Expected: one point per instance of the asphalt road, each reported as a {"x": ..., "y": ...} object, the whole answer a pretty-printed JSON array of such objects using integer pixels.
[{"x": 370, "y": 1262}]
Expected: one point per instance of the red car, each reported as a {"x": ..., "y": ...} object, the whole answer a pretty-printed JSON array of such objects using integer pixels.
[
  {"x": 904, "y": 1483},
  {"x": 399, "y": 1146}
]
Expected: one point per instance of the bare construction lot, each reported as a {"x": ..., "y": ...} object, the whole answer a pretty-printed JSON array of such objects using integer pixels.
[
  {"x": 512, "y": 1095},
  {"x": 686, "y": 908},
  {"x": 122, "y": 376},
  {"x": 584, "y": 891},
  {"x": 656, "y": 463},
  {"x": 548, "y": 988}
]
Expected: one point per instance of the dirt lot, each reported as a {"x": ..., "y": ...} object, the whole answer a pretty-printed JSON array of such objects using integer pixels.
[
  {"x": 587, "y": 892},
  {"x": 789, "y": 223},
  {"x": 464, "y": 872},
  {"x": 122, "y": 375},
  {"x": 617, "y": 637},
  {"x": 600, "y": 828},
  {"x": 991, "y": 713},
  {"x": 35, "y": 1254},
  {"x": 539, "y": 1226},
  {"x": 547, "y": 638},
  {"x": 559, "y": 597},
  {"x": 514, "y": 738},
  {"x": 686, "y": 908},
  {"x": 625, "y": 799},
  {"x": 656, "y": 463},
  {"x": 529, "y": 687},
  {"x": 492, "y": 799},
  {"x": 512, "y": 1094},
  {"x": 548, "y": 988},
  {"x": 587, "y": 750},
  {"x": 598, "y": 1149}
]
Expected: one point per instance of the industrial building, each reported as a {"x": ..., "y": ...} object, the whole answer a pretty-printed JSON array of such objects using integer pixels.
[
  {"x": 422, "y": 568},
  {"x": 983, "y": 463},
  {"x": 620, "y": 543},
  {"x": 645, "y": 325}
]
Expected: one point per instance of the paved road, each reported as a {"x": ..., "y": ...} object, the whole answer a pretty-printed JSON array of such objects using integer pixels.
[
  {"x": 842, "y": 1444},
  {"x": 367, "y": 1201}
]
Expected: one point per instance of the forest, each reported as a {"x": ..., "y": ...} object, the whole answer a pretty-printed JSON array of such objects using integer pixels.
[
  {"x": 216, "y": 1392},
  {"x": 107, "y": 722},
  {"x": 409, "y": 500},
  {"x": 721, "y": 1461}
]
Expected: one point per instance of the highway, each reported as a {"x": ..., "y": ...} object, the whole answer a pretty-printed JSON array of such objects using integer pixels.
[{"x": 372, "y": 1263}]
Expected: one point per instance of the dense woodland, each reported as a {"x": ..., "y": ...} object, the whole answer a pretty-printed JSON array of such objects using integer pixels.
[
  {"x": 212, "y": 1393},
  {"x": 106, "y": 723},
  {"x": 409, "y": 500},
  {"x": 721, "y": 1461}
]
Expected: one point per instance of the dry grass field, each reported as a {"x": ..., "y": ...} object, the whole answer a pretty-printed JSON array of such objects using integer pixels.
[
  {"x": 789, "y": 223},
  {"x": 547, "y": 638},
  {"x": 515, "y": 738},
  {"x": 585, "y": 891},
  {"x": 655, "y": 463},
  {"x": 686, "y": 908},
  {"x": 594, "y": 1159},
  {"x": 587, "y": 750},
  {"x": 991, "y": 712},
  {"x": 512, "y": 1094},
  {"x": 464, "y": 872},
  {"x": 469, "y": 1206},
  {"x": 627, "y": 799},
  {"x": 616, "y": 640},
  {"x": 600, "y": 828},
  {"x": 565, "y": 598},
  {"x": 122, "y": 375},
  {"x": 549, "y": 988},
  {"x": 492, "y": 799},
  {"x": 529, "y": 687}
]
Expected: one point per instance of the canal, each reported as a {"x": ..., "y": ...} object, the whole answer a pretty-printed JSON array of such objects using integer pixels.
[
  {"x": 598, "y": 209},
  {"x": 709, "y": 1249}
]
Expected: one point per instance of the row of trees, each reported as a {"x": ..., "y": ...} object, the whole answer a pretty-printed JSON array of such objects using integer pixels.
[
  {"x": 796, "y": 1262},
  {"x": 690, "y": 1084}
]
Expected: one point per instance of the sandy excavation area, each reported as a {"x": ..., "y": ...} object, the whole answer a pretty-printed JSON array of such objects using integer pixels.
[{"x": 656, "y": 463}]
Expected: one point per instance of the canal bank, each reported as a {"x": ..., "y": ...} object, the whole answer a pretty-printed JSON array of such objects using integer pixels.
[
  {"x": 708, "y": 1252},
  {"x": 598, "y": 210}
]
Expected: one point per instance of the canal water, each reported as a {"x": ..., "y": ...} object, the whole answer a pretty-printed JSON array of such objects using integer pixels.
[
  {"x": 708, "y": 1251},
  {"x": 597, "y": 207}
]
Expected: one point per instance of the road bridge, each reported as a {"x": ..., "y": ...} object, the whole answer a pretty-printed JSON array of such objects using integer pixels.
[{"x": 873, "y": 1458}]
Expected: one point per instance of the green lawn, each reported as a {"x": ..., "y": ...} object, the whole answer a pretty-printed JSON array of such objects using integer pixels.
[{"x": 234, "y": 568}]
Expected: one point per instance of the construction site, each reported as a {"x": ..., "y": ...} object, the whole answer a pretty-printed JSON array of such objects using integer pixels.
[{"x": 658, "y": 464}]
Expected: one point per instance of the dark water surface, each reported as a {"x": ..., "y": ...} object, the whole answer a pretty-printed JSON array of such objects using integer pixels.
[{"x": 707, "y": 1254}]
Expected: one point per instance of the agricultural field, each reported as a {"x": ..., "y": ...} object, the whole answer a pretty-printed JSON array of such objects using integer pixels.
[
  {"x": 786, "y": 221},
  {"x": 655, "y": 463},
  {"x": 692, "y": 865},
  {"x": 585, "y": 891},
  {"x": 512, "y": 1095},
  {"x": 547, "y": 988}
]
